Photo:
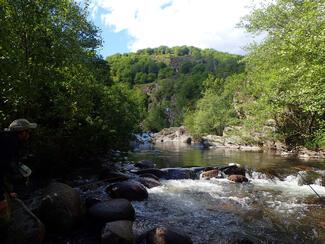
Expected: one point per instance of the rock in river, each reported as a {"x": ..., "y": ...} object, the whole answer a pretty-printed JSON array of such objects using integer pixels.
[
  {"x": 112, "y": 210},
  {"x": 233, "y": 170},
  {"x": 163, "y": 235},
  {"x": 131, "y": 190},
  {"x": 149, "y": 182},
  {"x": 60, "y": 208},
  {"x": 237, "y": 178},
  {"x": 145, "y": 164},
  {"x": 207, "y": 175},
  {"x": 118, "y": 232}
]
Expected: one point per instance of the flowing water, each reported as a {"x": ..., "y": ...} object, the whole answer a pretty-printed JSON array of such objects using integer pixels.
[{"x": 272, "y": 208}]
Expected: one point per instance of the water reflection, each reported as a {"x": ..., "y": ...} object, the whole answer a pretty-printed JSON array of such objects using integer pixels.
[{"x": 183, "y": 155}]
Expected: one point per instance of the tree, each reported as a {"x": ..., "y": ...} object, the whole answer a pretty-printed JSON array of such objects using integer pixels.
[{"x": 286, "y": 71}]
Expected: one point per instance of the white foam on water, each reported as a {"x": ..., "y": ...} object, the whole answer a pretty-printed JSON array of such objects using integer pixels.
[
  {"x": 288, "y": 186},
  {"x": 187, "y": 185}
]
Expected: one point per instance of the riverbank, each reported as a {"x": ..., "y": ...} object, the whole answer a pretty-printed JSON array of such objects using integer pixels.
[{"x": 231, "y": 139}]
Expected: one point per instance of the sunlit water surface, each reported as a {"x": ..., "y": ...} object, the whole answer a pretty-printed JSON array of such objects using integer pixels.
[{"x": 264, "y": 210}]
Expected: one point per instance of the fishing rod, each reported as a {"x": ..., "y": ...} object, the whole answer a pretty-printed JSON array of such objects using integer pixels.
[{"x": 309, "y": 185}]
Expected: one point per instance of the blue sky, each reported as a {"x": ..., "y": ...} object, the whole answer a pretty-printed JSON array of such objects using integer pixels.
[
  {"x": 130, "y": 25},
  {"x": 113, "y": 42}
]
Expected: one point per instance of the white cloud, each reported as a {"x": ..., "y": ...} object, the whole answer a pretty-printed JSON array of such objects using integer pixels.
[{"x": 200, "y": 23}]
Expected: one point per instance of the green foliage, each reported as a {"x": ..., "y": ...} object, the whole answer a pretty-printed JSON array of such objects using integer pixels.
[
  {"x": 50, "y": 74},
  {"x": 215, "y": 110},
  {"x": 286, "y": 71},
  {"x": 179, "y": 73}
]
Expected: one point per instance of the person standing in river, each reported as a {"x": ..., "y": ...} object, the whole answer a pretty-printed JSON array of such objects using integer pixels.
[{"x": 12, "y": 141}]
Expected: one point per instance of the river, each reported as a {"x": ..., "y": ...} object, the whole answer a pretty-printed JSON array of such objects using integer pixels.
[{"x": 270, "y": 208}]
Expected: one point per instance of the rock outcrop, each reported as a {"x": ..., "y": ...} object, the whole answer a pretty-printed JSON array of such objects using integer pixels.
[{"x": 173, "y": 134}]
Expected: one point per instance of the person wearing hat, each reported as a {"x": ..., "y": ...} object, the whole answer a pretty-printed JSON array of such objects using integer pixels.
[{"x": 11, "y": 143}]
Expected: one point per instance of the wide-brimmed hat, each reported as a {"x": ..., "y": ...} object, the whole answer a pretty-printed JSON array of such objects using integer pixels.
[{"x": 21, "y": 124}]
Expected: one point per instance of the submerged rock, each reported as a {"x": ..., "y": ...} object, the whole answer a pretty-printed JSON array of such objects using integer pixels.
[
  {"x": 117, "y": 232},
  {"x": 163, "y": 235},
  {"x": 237, "y": 178},
  {"x": 310, "y": 177},
  {"x": 145, "y": 164},
  {"x": 112, "y": 210},
  {"x": 60, "y": 208},
  {"x": 131, "y": 190},
  {"x": 315, "y": 200},
  {"x": 25, "y": 227}
]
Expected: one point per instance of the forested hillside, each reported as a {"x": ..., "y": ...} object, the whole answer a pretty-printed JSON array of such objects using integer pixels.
[{"x": 171, "y": 78}]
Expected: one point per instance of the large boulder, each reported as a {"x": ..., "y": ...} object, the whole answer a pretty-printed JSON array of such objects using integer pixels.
[
  {"x": 112, "y": 210},
  {"x": 117, "y": 232},
  {"x": 237, "y": 178},
  {"x": 233, "y": 170},
  {"x": 60, "y": 208},
  {"x": 207, "y": 175},
  {"x": 131, "y": 190},
  {"x": 163, "y": 235},
  {"x": 173, "y": 134},
  {"x": 149, "y": 182},
  {"x": 24, "y": 227}
]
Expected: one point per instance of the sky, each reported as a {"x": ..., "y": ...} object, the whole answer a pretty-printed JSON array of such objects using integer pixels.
[{"x": 130, "y": 25}]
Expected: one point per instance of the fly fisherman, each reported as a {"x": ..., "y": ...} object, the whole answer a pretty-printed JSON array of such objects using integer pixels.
[{"x": 11, "y": 143}]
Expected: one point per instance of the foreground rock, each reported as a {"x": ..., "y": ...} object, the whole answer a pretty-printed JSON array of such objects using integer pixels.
[
  {"x": 60, "y": 208},
  {"x": 117, "y": 232},
  {"x": 25, "y": 227},
  {"x": 163, "y": 235},
  {"x": 131, "y": 190},
  {"x": 237, "y": 178},
  {"x": 112, "y": 210}
]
